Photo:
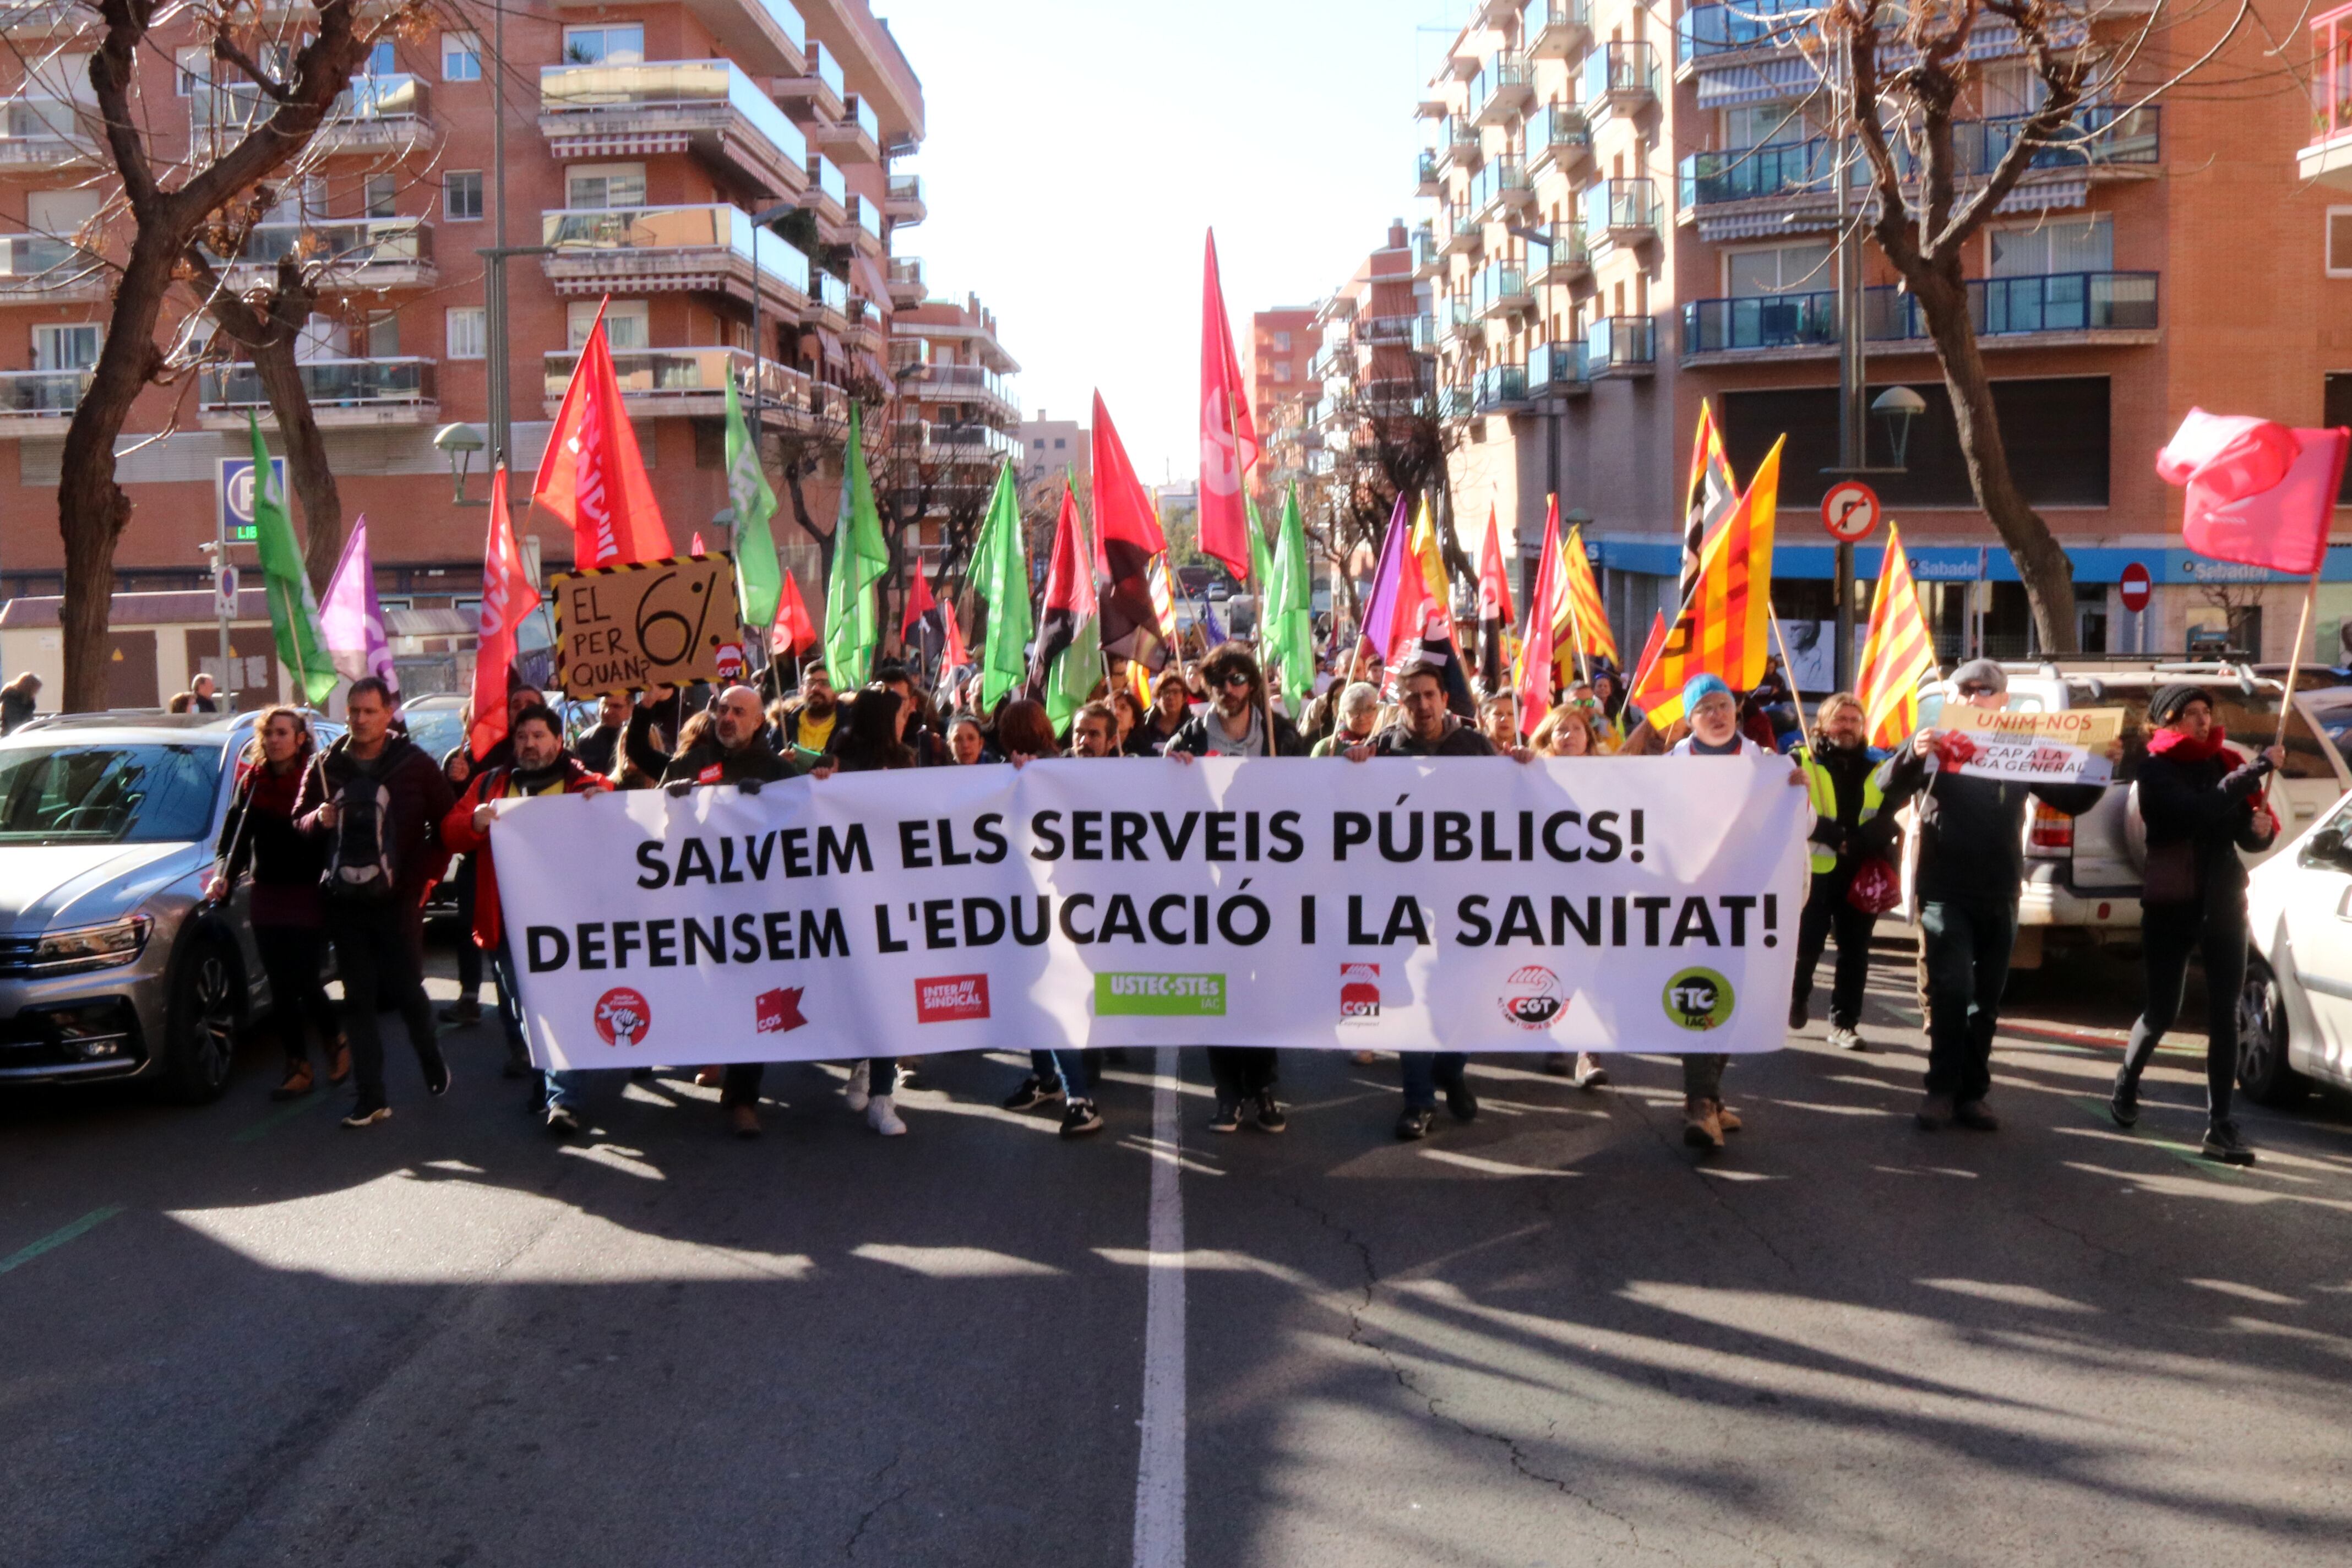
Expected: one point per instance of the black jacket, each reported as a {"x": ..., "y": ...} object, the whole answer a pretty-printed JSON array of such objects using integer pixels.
[
  {"x": 707, "y": 761},
  {"x": 1194, "y": 737},
  {"x": 1971, "y": 829},
  {"x": 421, "y": 796},
  {"x": 1849, "y": 768},
  {"x": 1147, "y": 738},
  {"x": 2209, "y": 806},
  {"x": 599, "y": 749},
  {"x": 1460, "y": 740}
]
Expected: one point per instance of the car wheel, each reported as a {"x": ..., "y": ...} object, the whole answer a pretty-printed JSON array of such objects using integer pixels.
[
  {"x": 2262, "y": 1070},
  {"x": 206, "y": 1001}
]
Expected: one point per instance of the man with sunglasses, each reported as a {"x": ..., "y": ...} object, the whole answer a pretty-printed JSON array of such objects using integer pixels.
[{"x": 1972, "y": 860}]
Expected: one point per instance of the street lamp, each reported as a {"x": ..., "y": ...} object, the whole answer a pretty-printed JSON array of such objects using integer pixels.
[
  {"x": 460, "y": 442},
  {"x": 1898, "y": 406}
]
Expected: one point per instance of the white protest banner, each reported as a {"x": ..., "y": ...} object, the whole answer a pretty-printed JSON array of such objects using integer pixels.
[
  {"x": 2068, "y": 747},
  {"x": 1474, "y": 904}
]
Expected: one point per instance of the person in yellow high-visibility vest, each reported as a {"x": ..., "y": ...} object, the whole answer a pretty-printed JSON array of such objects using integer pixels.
[{"x": 1841, "y": 770}]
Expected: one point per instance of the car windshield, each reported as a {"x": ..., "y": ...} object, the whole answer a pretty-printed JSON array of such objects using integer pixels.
[
  {"x": 107, "y": 793},
  {"x": 438, "y": 729}
]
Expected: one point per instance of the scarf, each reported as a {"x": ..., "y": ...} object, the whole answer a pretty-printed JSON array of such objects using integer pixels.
[
  {"x": 536, "y": 781},
  {"x": 2174, "y": 746}
]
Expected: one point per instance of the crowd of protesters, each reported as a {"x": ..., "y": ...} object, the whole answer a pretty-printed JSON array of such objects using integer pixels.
[{"x": 343, "y": 844}]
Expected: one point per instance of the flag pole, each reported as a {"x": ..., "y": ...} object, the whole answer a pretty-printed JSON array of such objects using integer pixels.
[
  {"x": 2295, "y": 654},
  {"x": 1796, "y": 698}
]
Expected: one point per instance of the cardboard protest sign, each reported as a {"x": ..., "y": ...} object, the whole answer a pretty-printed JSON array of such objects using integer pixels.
[
  {"x": 648, "y": 623},
  {"x": 2068, "y": 747}
]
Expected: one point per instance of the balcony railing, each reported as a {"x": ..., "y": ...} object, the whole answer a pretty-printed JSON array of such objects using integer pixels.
[
  {"x": 1504, "y": 179},
  {"x": 2065, "y": 303},
  {"x": 1500, "y": 386},
  {"x": 1554, "y": 28},
  {"x": 825, "y": 180},
  {"x": 373, "y": 111},
  {"x": 386, "y": 388},
  {"x": 1556, "y": 366},
  {"x": 1454, "y": 315},
  {"x": 1497, "y": 289},
  {"x": 2331, "y": 75},
  {"x": 1458, "y": 401},
  {"x": 827, "y": 292},
  {"x": 1619, "y": 211},
  {"x": 46, "y": 131},
  {"x": 1424, "y": 248},
  {"x": 1620, "y": 77},
  {"x": 1463, "y": 233},
  {"x": 1462, "y": 144},
  {"x": 1502, "y": 89},
  {"x": 1749, "y": 174},
  {"x": 1424, "y": 172},
  {"x": 907, "y": 280},
  {"x": 365, "y": 250},
  {"x": 1385, "y": 329},
  {"x": 868, "y": 218},
  {"x": 672, "y": 243},
  {"x": 1560, "y": 132},
  {"x": 1424, "y": 333},
  {"x": 1749, "y": 25},
  {"x": 1565, "y": 262},
  {"x": 1620, "y": 345},
  {"x": 578, "y": 98},
  {"x": 36, "y": 395},
  {"x": 685, "y": 381},
  {"x": 957, "y": 383},
  {"x": 2099, "y": 136},
  {"x": 35, "y": 266}
]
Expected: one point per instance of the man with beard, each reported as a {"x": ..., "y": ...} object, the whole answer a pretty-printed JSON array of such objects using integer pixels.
[
  {"x": 731, "y": 753},
  {"x": 1849, "y": 830},
  {"x": 809, "y": 723}
]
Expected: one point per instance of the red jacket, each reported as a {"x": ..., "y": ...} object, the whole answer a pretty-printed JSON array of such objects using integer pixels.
[{"x": 459, "y": 834}]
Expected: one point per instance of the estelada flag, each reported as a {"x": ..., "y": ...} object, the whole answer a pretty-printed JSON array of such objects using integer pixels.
[
  {"x": 1898, "y": 655},
  {"x": 1495, "y": 616},
  {"x": 795, "y": 632},
  {"x": 1725, "y": 627},
  {"x": 1228, "y": 438},
  {"x": 1126, "y": 537},
  {"x": 507, "y": 598},
  {"x": 593, "y": 476},
  {"x": 2258, "y": 492}
]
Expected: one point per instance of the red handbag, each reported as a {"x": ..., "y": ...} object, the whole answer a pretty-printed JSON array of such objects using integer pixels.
[{"x": 1875, "y": 889}]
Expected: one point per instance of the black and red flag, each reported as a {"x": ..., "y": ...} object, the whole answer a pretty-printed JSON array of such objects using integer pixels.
[
  {"x": 1126, "y": 537},
  {"x": 923, "y": 630}
]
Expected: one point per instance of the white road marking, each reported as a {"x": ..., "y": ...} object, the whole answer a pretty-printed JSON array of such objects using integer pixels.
[{"x": 1159, "y": 1468}]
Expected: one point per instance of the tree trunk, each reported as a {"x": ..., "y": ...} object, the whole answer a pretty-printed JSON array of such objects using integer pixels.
[{"x": 2041, "y": 560}]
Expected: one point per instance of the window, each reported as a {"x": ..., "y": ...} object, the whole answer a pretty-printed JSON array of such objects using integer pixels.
[
  {"x": 1060, "y": 443},
  {"x": 468, "y": 331},
  {"x": 2339, "y": 242},
  {"x": 1282, "y": 343},
  {"x": 1762, "y": 124},
  {"x": 1804, "y": 268},
  {"x": 604, "y": 185},
  {"x": 620, "y": 45},
  {"x": 380, "y": 61},
  {"x": 2052, "y": 246},
  {"x": 461, "y": 57},
  {"x": 59, "y": 213},
  {"x": 1281, "y": 370},
  {"x": 65, "y": 348},
  {"x": 2336, "y": 409},
  {"x": 624, "y": 324},
  {"x": 461, "y": 195},
  {"x": 196, "y": 70},
  {"x": 380, "y": 189},
  {"x": 383, "y": 335},
  {"x": 1039, "y": 443}
]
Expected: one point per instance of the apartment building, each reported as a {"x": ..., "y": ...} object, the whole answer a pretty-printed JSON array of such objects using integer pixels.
[
  {"x": 1050, "y": 449},
  {"x": 1635, "y": 210},
  {"x": 1365, "y": 364},
  {"x": 640, "y": 140},
  {"x": 958, "y": 415},
  {"x": 1277, "y": 356}
]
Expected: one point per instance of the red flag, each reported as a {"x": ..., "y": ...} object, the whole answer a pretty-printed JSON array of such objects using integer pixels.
[
  {"x": 507, "y": 598},
  {"x": 1651, "y": 649},
  {"x": 1536, "y": 656},
  {"x": 956, "y": 656},
  {"x": 1127, "y": 536},
  {"x": 1228, "y": 439},
  {"x": 793, "y": 621},
  {"x": 1494, "y": 616},
  {"x": 696, "y": 548},
  {"x": 593, "y": 476},
  {"x": 919, "y": 602},
  {"x": 2258, "y": 493}
]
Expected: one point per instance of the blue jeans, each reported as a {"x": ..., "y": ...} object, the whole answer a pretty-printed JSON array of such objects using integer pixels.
[
  {"x": 1068, "y": 1066},
  {"x": 1424, "y": 1070},
  {"x": 550, "y": 1089}
]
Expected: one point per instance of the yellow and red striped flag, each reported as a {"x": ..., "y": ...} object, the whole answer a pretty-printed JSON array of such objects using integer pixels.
[
  {"x": 1898, "y": 654},
  {"x": 1581, "y": 622},
  {"x": 1725, "y": 627}
]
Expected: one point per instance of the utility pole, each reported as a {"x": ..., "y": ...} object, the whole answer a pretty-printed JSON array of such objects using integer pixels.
[{"x": 1852, "y": 383}]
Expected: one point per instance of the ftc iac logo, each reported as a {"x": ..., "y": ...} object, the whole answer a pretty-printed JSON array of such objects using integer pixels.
[
  {"x": 1531, "y": 997},
  {"x": 951, "y": 997},
  {"x": 623, "y": 1018},
  {"x": 1360, "y": 994},
  {"x": 1699, "y": 999},
  {"x": 776, "y": 1012}
]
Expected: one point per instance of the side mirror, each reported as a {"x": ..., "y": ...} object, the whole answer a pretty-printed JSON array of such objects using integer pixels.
[{"x": 2327, "y": 849}]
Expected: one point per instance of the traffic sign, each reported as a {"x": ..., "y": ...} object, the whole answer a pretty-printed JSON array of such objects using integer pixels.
[
  {"x": 225, "y": 588},
  {"x": 2134, "y": 588},
  {"x": 1850, "y": 511},
  {"x": 237, "y": 496}
]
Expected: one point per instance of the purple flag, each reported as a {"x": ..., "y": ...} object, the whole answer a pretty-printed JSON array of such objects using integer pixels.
[
  {"x": 1379, "y": 610},
  {"x": 350, "y": 617}
]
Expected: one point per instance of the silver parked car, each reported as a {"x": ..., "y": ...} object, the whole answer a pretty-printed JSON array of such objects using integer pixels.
[{"x": 111, "y": 965}]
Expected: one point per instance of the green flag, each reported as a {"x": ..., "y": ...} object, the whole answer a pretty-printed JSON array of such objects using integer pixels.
[
  {"x": 853, "y": 619},
  {"x": 1076, "y": 674},
  {"x": 293, "y": 611},
  {"x": 759, "y": 583},
  {"x": 1000, "y": 570},
  {"x": 1290, "y": 611},
  {"x": 1261, "y": 569}
]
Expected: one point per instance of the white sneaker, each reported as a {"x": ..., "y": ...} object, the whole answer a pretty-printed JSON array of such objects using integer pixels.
[
  {"x": 1848, "y": 1040},
  {"x": 882, "y": 1115},
  {"x": 854, "y": 1091}
]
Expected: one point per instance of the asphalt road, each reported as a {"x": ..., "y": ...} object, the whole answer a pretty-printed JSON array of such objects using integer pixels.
[{"x": 240, "y": 1335}]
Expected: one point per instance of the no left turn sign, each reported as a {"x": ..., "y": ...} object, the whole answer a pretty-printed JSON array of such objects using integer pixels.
[{"x": 1850, "y": 511}]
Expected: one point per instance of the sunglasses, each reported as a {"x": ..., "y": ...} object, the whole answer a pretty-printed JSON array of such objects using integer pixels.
[
  {"x": 1976, "y": 689},
  {"x": 1237, "y": 679}
]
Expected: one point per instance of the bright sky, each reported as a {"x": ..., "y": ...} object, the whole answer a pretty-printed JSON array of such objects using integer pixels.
[{"x": 1078, "y": 149}]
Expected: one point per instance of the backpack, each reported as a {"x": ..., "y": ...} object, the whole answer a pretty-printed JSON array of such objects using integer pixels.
[{"x": 359, "y": 860}]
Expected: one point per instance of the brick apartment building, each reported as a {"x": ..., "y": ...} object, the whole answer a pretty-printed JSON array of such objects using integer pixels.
[
  {"x": 1277, "y": 359},
  {"x": 639, "y": 139},
  {"x": 1630, "y": 216}
]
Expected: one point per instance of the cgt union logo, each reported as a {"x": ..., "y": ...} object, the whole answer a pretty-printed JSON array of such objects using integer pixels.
[
  {"x": 1360, "y": 994},
  {"x": 623, "y": 1018},
  {"x": 1531, "y": 997},
  {"x": 951, "y": 997},
  {"x": 776, "y": 1012}
]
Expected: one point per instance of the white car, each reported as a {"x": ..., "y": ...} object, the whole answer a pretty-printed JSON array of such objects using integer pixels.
[{"x": 2294, "y": 1016}]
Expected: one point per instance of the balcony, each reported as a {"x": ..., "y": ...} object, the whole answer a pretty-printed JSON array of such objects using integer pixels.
[
  {"x": 975, "y": 444},
  {"x": 818, "y": 87},
  {"x": 905, "y": 202},
  {"x": 827, "y": 195},
  {"x": 1457, "y": 400},
  {"x": 1620, "y": 212},
  {"x": 1503, "y": 90},
  {"x": 711, "y": 108},
  {"x": 39, "y": 402},
  {"x": 768, "y": 36},
  {"x": 344, "y": 394},
  {"x": 1336, "y": 360},
  {"x": 1738, "y": 28},
  {"x": 2037, "y": 310},
  {"x": 1560, "y": 139},
  {"x": 1427, "y": 181},
  {"x": 868, "y": 328},
  {"x": 1566, "y": 263},
  {"x": 1754, "y": 173},
  {"x": 1500, "y": 291},
  {"x": 1464, "y": 235},
  {"x": 655, "y": 250},
  {"x": 36, "y": 269},
  {"x": 1558, "y": 370},
  {"x": 46, "y": 132},
  {"x": 1424, "y": 333},
  {"x": 854, "y": 137},
  {"x": 2328, "y": 156},
  {"x": 655, "y": 382},
  {"x": 1453, "y": 317},
  {"x": 1555, "y": 29},
  {"x": 1462, "y": 149},
  {"x": 1620, "y": 78},
  {"x": 828, "y": 299},
  {"x": 361, "y": 253},
  {"x": 1617, "y": 346},
  {"x": 1378, "y": 330},
  {"x": 907, "y": 282},
  {"x": 1426, "y": 256},
  {"x": 1500, "y": 389},
  {"x": 381, "y": 116},
  {"x": 865, "y": 226},
  {"x": 1502, "y": 184}
]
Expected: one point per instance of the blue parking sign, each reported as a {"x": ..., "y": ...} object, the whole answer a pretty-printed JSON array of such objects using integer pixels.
[{"x": 236, "y": 495}]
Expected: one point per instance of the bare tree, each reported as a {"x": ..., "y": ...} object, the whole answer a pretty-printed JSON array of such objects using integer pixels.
[{"x": 1394, "y": 444}]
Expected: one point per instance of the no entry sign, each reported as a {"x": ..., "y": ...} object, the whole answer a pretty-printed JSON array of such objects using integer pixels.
[
  {"x": 2133, "y": 588},
  {"x": 1850, "y": 511}
]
